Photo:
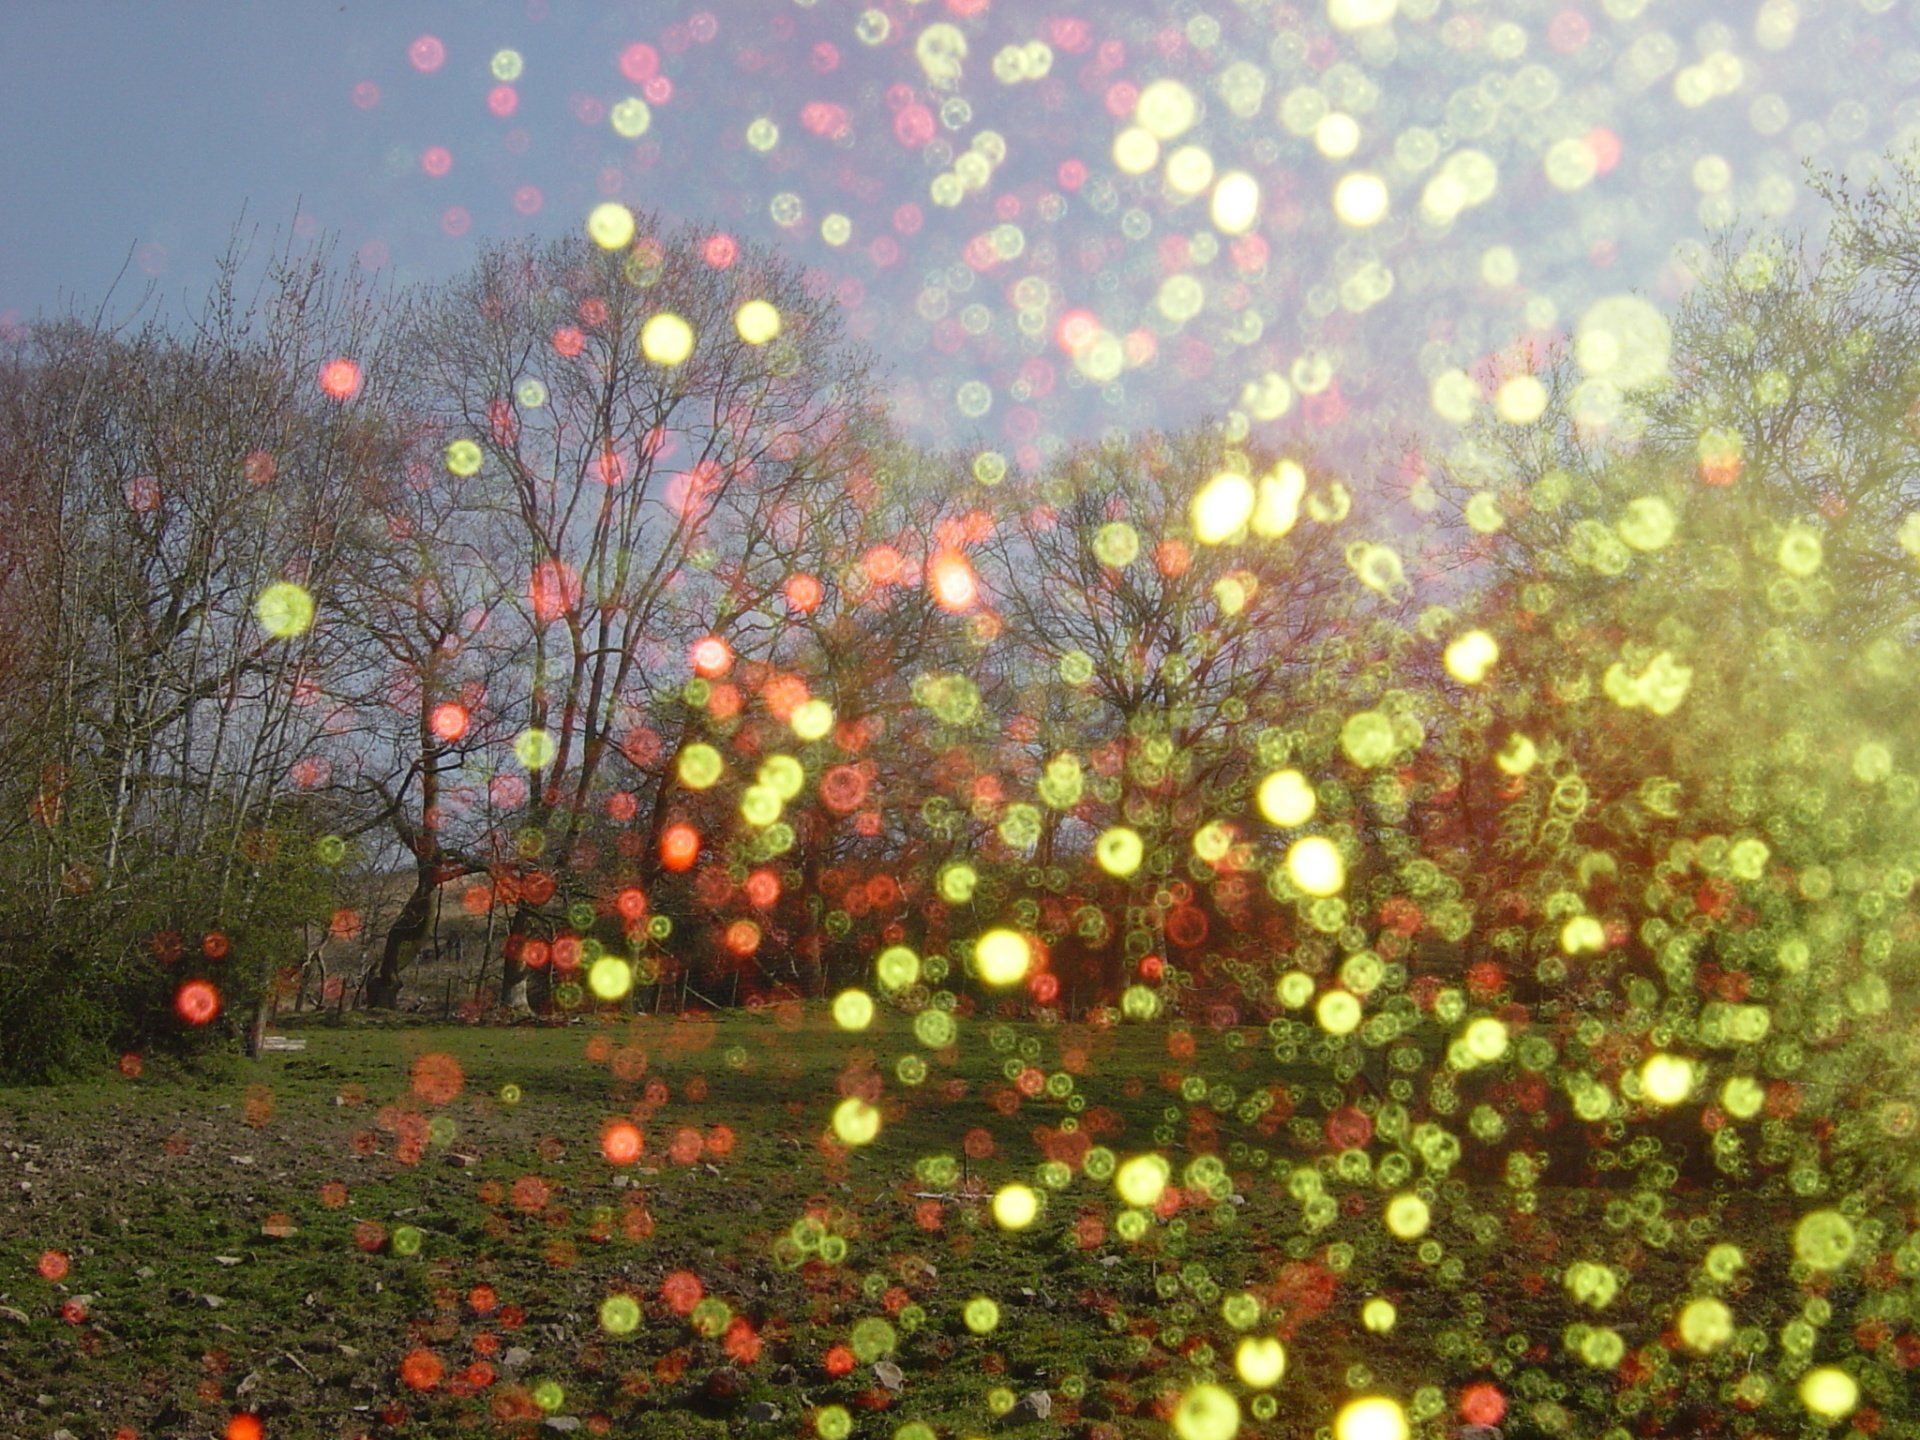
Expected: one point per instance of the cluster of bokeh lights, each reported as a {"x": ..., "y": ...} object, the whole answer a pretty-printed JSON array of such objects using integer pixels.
[{"x": 1311, "y": 220}]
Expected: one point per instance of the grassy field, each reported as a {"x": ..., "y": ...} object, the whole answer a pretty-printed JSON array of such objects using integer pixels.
[
  {"x": 280, "y": 1237},
  {"x": 415, "y": 1231}
]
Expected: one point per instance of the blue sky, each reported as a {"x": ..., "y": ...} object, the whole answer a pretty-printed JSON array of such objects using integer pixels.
[{"x": 145, "y": 130}]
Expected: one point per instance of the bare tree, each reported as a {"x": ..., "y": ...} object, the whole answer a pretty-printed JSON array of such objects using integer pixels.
[
  {"x": 623, "y": 409},
  {"x": 193, "y": 491},
  {"x": 852, "y": 603},
  {"x": 1141, "y": 655},
  {"x": 434, "y": 672}
]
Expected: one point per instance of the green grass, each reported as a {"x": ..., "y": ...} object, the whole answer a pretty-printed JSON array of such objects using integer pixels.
[{"x": 157, "y": 1189}]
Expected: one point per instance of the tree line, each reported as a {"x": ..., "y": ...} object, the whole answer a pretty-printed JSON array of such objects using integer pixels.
[{"x": 596, "y": 589}]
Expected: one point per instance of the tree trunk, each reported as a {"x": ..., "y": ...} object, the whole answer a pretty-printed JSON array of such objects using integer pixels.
[
  {"x": 257, "y": 1029},
  {"x": 811, "y": 952},
  {"x": 809, "y": 963},
  {"x": 403, "y": 941},
  {"x": 513, "y": 969}
]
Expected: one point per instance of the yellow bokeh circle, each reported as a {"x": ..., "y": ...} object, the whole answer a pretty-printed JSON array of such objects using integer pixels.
[
  {"x": 757, "y": 321},
  {"x": 1372, "y": 1417},
  {"x": 1015, "y": 1206},
  {"x": 1003, "y": 957},
  {"x": 666, "y": 339}
]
